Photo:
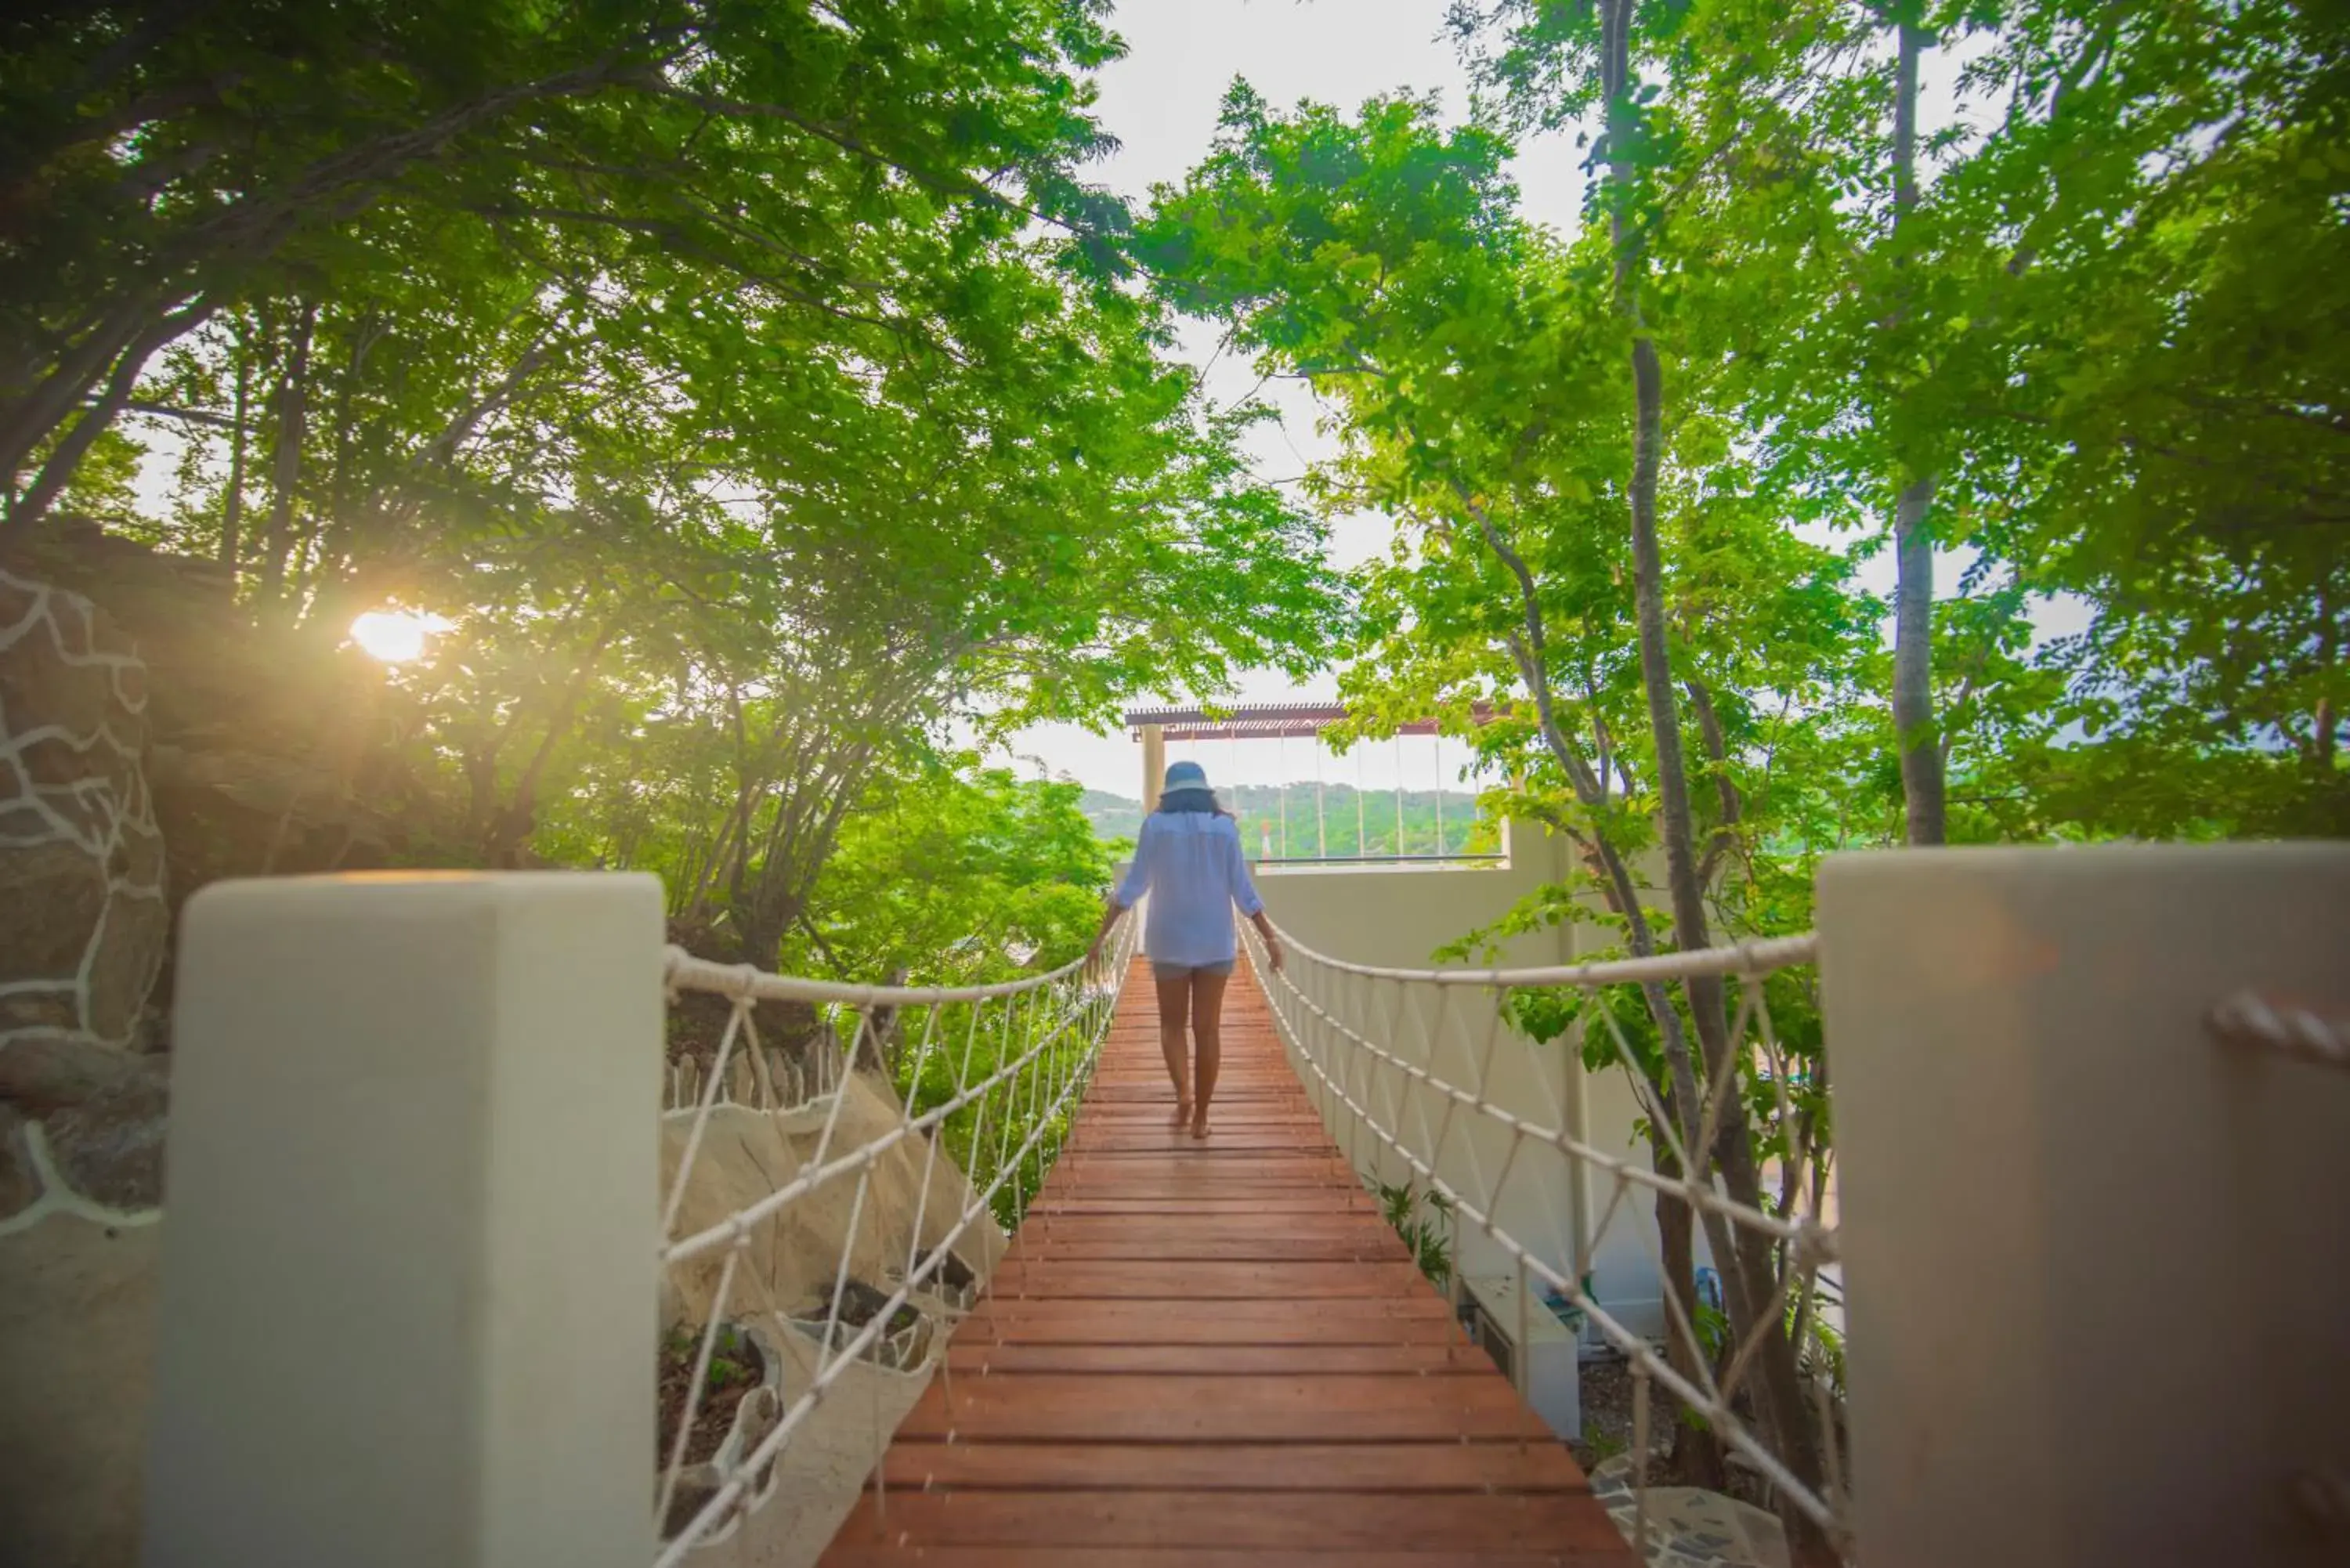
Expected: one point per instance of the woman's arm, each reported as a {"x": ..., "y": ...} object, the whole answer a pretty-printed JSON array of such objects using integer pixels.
[
  {"x": 1127, "y": 893},
  {"x": 1111, "y": 910},
  {"x": 1245, "y": 894}
]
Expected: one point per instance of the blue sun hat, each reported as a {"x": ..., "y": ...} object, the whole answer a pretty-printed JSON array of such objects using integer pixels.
[{"x": 1187, "y": 789}]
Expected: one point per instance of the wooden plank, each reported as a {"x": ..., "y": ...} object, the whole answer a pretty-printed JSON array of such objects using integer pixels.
[
  {"x": 1348, "y": 1522},
  {"x": 1265, "y": 1247},
  {"x": 1157, "y": 1134},
  {"x": 1236, "y": 1185},
  {"x": 1208, "y": 1159},
  {"x": 889, "y": 1549},
  {"x": 1153, "y": 1109},
  {"x": 1244, "y": 1111},
  {"x": 1241, "y": 1408},
  {"x": 1226, "y": 1141},
  {"x": 1270, "y": 1205},
  {"x": 1450, "y": 1466},
  {"x": 1448, "y": 1355},
  {"x": 1196, "y": 1168},
  {"x": 1332, "y": 1321},
  {"x": 1316, "y": 1222},
  {"x": 1204, "y": 1281}
]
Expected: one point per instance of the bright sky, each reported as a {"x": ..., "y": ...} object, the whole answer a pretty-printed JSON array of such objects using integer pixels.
[{"x": 1160, "y": 103}]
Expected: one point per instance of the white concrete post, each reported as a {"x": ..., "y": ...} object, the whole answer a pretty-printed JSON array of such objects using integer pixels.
[
  {"x": 409, "y": 1272},
  {"x": 2098, "y": 1263},
  {"x": 1154, "y": 765}
]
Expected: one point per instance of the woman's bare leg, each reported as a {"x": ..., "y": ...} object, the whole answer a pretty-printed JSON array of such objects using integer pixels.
[
  {"x": 1174, "y": 1001},
  {"x": 1208, "y": 1035}
]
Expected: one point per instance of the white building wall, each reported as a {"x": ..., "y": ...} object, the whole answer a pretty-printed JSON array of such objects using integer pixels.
[{"x": 1399, "y": 916}]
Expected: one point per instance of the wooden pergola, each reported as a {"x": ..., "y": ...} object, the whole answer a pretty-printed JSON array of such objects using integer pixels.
[
  {"x": 1154, "y": 727},
  {"x": 1262, "y": 721}
]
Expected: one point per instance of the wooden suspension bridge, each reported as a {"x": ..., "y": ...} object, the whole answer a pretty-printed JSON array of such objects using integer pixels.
[{"x": 1216, "y": 1354}]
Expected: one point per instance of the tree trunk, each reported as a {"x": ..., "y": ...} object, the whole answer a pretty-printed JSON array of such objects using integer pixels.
[
  {"x": 293, "y": 423},
  {"x": 1697, "y": 1451},
  {"x": 30, "y": 419},
  {"x": 1531, "y": 653},
  {"x": 511, "y": 827},
  {"x": 31, "y": 507},
  {"x": 1913, "y": 544},
  {"x": 250, "y": 231},
  {"x": 761, "y": 920},
  {"x": 332, "y": 564},
  {"x": 2323, "y": 721},
  {"x": 1913, "y": 665},
  {"x": 1749, "y": 1285},
  {"x": 877, "y": 1047},
  {"x": 232, "y": 504}
]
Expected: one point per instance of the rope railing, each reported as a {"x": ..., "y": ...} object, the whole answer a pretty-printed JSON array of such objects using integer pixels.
[
  {"x": 822, "y": 1183},
  {"x": 2250, "y": 1019},
  {"x": 1403, "y": 1063},
  {"x": 914, "y": 1193}
]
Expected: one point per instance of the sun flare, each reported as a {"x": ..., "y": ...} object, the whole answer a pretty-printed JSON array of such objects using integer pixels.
[{"x": 396, "y": 637}]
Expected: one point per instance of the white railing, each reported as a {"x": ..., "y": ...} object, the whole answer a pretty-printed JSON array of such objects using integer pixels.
[
  {"x": 1402, "y": 1062},
  {"x": 2090, "y": 1128},
  {"x": 994, "y": 1073}
]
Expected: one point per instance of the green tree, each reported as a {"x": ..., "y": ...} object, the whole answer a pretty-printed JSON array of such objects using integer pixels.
[
  {"x": 708, "y": 369},
  {"x": 951, "y": 873},
  {"x": 1476, "y": 362},
  {"x": 168, "y": 164}
]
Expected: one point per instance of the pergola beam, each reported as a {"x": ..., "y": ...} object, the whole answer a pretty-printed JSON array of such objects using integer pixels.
[{"x": 1263, "y": 720}]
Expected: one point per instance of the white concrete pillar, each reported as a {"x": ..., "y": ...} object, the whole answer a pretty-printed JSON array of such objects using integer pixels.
[
  {"x": 2098, "y": 1261},
  {"x": 408, "y": 1246},
  {"x": 1154, "y": 765}
]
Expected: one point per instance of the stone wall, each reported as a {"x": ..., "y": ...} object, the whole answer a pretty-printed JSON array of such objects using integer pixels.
[
  {"x": 83, "y": 930},
  {"x": 155, "y": 735},
  {"x": 84, "y": 924},
  {"x": 268, "y": 743}
]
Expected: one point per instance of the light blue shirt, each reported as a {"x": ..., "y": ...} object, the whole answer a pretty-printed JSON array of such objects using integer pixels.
[{"x": 1190, "y": 862}]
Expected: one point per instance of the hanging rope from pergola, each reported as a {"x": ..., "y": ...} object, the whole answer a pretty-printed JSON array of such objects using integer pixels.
[
  {"x": 1264, "y": 721},
  {"x": 1283, "y": 722}
]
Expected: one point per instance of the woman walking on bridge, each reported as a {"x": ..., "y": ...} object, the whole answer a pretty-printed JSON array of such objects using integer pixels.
[{"x": 1188, "y": 858}]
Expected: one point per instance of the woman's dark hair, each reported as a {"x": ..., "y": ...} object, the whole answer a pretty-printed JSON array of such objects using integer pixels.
[{"x": 1201, "y": 802}]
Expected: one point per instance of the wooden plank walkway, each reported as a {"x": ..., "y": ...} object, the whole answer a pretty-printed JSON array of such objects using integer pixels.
[{"x": 1214, "y": 1354}]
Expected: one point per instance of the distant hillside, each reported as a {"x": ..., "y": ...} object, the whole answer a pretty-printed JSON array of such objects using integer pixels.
[
  {"x": 1259, "y": 808},
  {"x": 1113, "y": 815}
]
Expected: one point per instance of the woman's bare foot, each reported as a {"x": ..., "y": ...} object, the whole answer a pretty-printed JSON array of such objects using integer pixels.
[
  {"x": 1199, "y": 1125},
  {"x": 1182, "y": 1111}
]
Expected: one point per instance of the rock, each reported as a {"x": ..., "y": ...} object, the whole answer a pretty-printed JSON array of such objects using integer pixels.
[
  {"x": 52, "y": 1008},
  {"x": 154, "y": 1036},
  {"x": 110, "y": 1148},
  {"x": 859, "y": 1303},
  {"x": 126, "y": 955},
  {"x": 955, "y": 1273},
  {"x": 76, "y": 1361},
  {"x": 1690, "y": 1526},
  {"x": 58, "y": 899},
  {"x": 82, "y": 935},
  {"x": 20, "y": 1183},
  {"x": 46, "y": 1071}
]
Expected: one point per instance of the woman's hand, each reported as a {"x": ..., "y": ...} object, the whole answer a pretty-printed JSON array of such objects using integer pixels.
[
  {"x": 1111, "y": 913},
  {"x": 1270, "y": 938}
]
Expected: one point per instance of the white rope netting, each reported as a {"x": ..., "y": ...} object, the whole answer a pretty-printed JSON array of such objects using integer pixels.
[
  {"x": 1404, "y": 1064},
  {"x": 840, "y": 1231},
  {"x": 2251, "y": 1020}
]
